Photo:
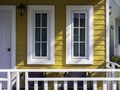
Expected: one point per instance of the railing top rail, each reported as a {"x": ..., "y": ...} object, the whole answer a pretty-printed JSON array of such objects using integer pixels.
[
  {"x": 59, "y": 70},
  {"x": 75, "y": 79},
  {"x": 113, "y": 63}
]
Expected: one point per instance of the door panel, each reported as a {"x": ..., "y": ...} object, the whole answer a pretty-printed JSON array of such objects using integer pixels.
[{"x": 5, "y": 42}]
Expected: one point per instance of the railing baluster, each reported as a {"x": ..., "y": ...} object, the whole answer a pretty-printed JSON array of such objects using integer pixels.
[
  {"x": 18, "y": 81},
  {"x": 55, "y": 85},
  {"x": 65, "y": 85},
  {"x": 104, "y": 85},
  {"x": 45, "y": 85},
  {"x": 0, "y": 85},
  {"x": 85, "y": 85},
  {"x": 119, "y": 82},
  {"x": 94, "y": 85},
  {"x": 75, "y": 85},
  {"x": 26, "y": 80},
  {"x": 9, "y": 81},
  {"x": 35, "y": 85},
  {"x": 114, "y": 86}
]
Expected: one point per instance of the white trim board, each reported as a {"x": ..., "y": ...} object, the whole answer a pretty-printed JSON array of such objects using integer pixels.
[
  {"x": 30, "y": 37},
  {"x": 107, "y": 32},
  {"x": 89, "y": 58},
  {"x": 12, "y": 8}
]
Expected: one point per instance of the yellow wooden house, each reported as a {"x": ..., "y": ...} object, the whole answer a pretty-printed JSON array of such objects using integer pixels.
[{"x": 57, "y": 35}]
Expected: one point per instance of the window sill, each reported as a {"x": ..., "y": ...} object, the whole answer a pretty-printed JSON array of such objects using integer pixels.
[
  {"x": 83, "y": 62},
  {"x": 40, "y": 61}
]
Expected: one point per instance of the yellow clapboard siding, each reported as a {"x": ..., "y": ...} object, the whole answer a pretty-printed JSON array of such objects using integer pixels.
[
  {"x": 99, "y": 58},
  {"x": 101, "y": 2},
  {"x": 101, "y": 53},
  {"x": 99, "y": 37},
  {"x": 59, "y": 43},
  {"x": 100, "y": 62},
  {"x": 58, "y": 53},
  {"x": 58, "y": 63},
  {"x": 99, "y": 32},
  {"x": 58, "y": 58},
  {"x": 99, "y": 11},
  {"x": 59, "y": 48},
  {"x": 96, "y": 17},
  {"x": 99, "y": 6},
  {"x": 99, "y": 27},
  {"x": 99, "y": 22},
  {"x": 59, "y": 38},
  {"x": 99, "y": 48},
  {"x": 99, "y": 43}
]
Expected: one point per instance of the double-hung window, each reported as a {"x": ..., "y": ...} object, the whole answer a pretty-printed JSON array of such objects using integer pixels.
[
  {"x": 79, "y": 32},
  {"x": 40, "y": 34}
]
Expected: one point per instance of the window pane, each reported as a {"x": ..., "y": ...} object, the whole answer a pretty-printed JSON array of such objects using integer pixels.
[
  {"x": 37, "y": 34},
  {"x": 82, "y": 49},
  {"x": 44, "y": 34},
  {"x": 82, "y": 19},
  {"x": 37, "y": 49},
  {"x": 44, "y": 49},
  {"x": 76, "y": 34},
  {"x": 76, "y": 19},
  {"x": 82, "y": 34},
  {"x": 37, "y": 19},
  {"x": 75, "y": 46},
  {"x": 44, "y": 20}
]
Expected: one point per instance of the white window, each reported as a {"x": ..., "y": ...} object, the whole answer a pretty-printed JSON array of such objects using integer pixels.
[
  {"x": 79, "y": 35},
  {"x": 40, "y": 34}
]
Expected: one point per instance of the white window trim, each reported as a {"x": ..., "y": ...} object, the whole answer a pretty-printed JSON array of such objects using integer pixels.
[
  {"x": 30, "y": 58},
  {"x": 89, "y": 58}
]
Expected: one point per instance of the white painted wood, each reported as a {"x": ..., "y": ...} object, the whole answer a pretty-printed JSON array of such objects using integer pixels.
[
  {"x": 74, "y": 79},
  {"x": 45, "y": 85},
  {"x": 75, "y": 85},
  {"x": 51, "y": 22},
  {"x": 35, "y": 85},
  {"x": 85, "y": 85},
  {"x": 119, "y": 82},
  {"x": 94, "y": 85},
  {"x": 109, "y": 85},
  {"x": 55, "y": 85},
  {"x": 104, "y": 85},
  {"x": 12, "y": 9},
  {"x": 7, "y": 38},
  {"x": 65, "y": 85},
  {"x": 89, "y": 10},
  {"x": 114, "y": 86},
  {"x": 0, "y": 85},
  {"x": 56, "y": 79},
  {"x": 60, "y": 70},
  {"x": 107, "y": 32},
  {"x": 9, "y": 81},
  {"x": 18, "y": 81},
  {"x": 26, "y": 80}
]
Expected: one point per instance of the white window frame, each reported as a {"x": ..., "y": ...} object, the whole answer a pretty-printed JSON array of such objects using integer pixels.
[
  {"x": 79, "y": 8},
  {"x": 30, "y": 34}
]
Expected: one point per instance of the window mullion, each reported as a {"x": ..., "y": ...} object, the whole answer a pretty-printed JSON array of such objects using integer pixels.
[
  {"x": 41, "y": 35},
  {"x": 79, "y": 37},
  {"x": 86, "y": 35}
]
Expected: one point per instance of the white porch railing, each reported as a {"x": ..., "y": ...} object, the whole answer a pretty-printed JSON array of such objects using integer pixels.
[{"x": 110, "y": 82}]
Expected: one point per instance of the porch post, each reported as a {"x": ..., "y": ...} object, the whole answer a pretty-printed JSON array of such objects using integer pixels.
[{"x": 107, "y": 32}]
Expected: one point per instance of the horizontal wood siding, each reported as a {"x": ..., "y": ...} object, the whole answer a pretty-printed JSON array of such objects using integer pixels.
[{"x": 60, "y": 32}]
